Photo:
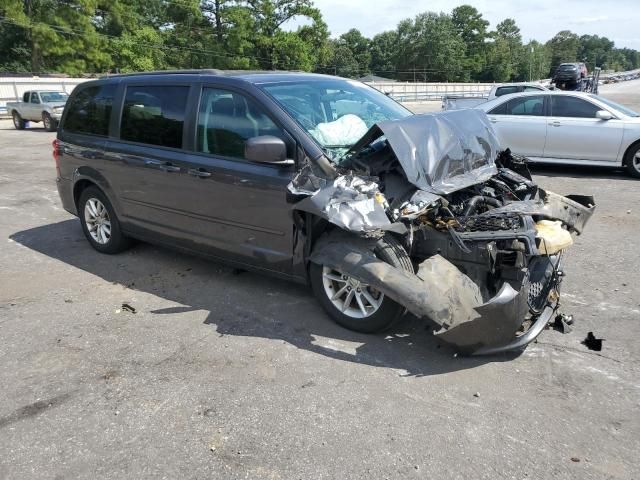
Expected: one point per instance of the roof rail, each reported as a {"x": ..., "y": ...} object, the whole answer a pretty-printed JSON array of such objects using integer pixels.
[{"x": 210, "y": 71}]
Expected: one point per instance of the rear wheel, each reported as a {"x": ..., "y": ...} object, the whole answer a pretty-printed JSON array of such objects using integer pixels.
[
  {"x": 100, "y": 223},
  {"x": 48, "y": 122},
  {"x": 356, "y": 305},
  {"x": 632, "y": 161},
  {"x": 18, "y": 121}
]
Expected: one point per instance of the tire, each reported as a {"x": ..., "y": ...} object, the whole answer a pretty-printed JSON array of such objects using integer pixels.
[
  {"x": 95, "y": 209},
  {"x": 48, "y": 122},
  {"x": 388, "y": 312},
  {"x": 632, "y": 160},
  {"x": 18, "y": 121}
]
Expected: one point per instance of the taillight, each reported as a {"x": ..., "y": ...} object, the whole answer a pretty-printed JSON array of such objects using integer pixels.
[{"x": 56, "y": 154}]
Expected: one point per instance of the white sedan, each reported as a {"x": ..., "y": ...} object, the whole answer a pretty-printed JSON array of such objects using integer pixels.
[{"x": 567, "y": 127}]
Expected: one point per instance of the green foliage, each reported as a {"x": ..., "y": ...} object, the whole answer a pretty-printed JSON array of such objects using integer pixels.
[
  {"x": 429, "y": 49},
  {"x": 383, "y": 56},
  {"x": 93, "y": 36},
  {"x": 472, "y": 29}
]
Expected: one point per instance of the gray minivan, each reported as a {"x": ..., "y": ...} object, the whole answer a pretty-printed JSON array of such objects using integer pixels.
[{"x": 323, "y": 180}]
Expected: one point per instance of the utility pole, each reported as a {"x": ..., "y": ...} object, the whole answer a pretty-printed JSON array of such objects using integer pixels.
[{"x": 530, "y": 62}]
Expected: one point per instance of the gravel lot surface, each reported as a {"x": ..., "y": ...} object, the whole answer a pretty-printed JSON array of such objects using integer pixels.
[{"x": 239, "y": 376}]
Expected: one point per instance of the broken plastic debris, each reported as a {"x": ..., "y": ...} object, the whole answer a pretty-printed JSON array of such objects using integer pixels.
[
  {"x": 128, "y": 308},
  {"x": 553, "y": 238}
]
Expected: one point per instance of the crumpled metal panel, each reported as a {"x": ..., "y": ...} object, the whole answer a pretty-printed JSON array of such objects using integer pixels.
[
  {"x": 350, "y": 202},
  {"x": 441, "y": 152},
  {"x": 439, "y": 291},
  {"x": 573, "y": 210}
]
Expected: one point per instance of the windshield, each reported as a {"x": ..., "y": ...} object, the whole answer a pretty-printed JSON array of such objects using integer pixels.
[
  {"x": 568, "y": 67},
  {"x": 627, "y": 111},
  {"x": 336, "y": 113},
  {"x": 53, "y": 97}
]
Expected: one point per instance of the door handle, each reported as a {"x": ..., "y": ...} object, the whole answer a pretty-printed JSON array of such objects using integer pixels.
[
  {"x": 199, "y": 173},
  {"x": 493, "y": 120},
  {"x": 555, "y": 124},
  {"x": 167, "y": 167}
]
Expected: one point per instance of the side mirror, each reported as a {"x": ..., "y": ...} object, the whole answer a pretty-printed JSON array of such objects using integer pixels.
[
  {"x": 604, "y": 115},
  {"x": 266, "y": 149}
]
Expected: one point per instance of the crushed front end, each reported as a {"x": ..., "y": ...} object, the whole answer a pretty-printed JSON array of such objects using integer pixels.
[{"x": 487, "y": 244}]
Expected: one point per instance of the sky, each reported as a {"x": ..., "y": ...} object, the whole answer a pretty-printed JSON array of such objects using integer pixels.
[{"x": 618, "y": 20}]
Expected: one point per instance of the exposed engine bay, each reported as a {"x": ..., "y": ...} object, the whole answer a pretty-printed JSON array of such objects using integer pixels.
[{"x": 486, "y": 243}]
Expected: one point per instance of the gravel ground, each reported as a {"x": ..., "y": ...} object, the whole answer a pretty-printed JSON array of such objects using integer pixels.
[{"x": 225, "y": 375}]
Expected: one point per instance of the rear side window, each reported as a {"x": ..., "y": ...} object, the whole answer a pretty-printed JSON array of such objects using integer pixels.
[
  {"x": 528, "y": 106},
  {"x": 562, "y": 106},
  {"x": 506, "y": 90},
  {"x": 89, "y": 110},
  {"x": 154, "y": 115}
]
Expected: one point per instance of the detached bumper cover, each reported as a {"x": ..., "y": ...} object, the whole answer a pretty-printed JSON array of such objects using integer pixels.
[{"x": 442, "y": 293}]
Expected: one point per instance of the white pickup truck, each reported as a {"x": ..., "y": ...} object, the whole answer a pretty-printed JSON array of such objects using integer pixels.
[
  {"x": 458, "y": 102},
  {"x": 38, "y": 106}
]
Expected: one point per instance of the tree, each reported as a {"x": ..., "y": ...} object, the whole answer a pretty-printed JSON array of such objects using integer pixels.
[
  {"x": 15, "y": 51},
  {"x": 270, "y": 16},
  {"x": 430, "y": 49},
  {"x": 60, "y": 35},
  {"x": 343, "y": 61},
  {"x": 595, "y": 50},
  {"x": 564, "y": 47},
  {"x": 472, "y": 28},
  {"x": 360, "y": 47},
  {"x": 507, "y": 50},
  {"x": 384, "y": 51}
]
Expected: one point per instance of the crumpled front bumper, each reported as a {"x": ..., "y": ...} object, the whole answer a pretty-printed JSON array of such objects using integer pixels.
[{"x": 441, "y": 292}]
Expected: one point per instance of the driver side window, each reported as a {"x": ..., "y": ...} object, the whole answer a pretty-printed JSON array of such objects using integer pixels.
[
  {"x": 566, "y": 106},
  {"x": 34, "y": 97},
  {"x": 226, "y": 120}
]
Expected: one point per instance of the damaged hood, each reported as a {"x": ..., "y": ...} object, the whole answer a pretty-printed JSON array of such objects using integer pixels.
[{"x": 440, "y": 153}]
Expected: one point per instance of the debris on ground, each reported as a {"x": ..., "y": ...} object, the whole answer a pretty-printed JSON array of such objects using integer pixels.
[
  {"x": 563, "y": 323},
  {"x": 593, "y": 343},
  {"x": 128, "y": 308}
]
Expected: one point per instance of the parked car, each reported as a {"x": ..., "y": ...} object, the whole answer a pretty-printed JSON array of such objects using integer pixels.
[
  {"x": 38, "y": 106},
  {"x": 568, "y": 127},
  {"x": 457, "y": 102},
  {"x": 323, "y": 180}
]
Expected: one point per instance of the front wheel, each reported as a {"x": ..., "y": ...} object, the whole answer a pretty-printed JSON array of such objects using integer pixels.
[
  {"x": 18, "y": 121},
  {"x": 48, "y": 122},
  {"x": 356, "y": 305},
  {"x": 99, "y": 222},
  {"x": 632, "y": 161}
]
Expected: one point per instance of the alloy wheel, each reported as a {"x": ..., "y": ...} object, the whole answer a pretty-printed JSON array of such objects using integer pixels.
[
  {"x": 352, "y": 297},
  {"x": 97, "y": 220}
]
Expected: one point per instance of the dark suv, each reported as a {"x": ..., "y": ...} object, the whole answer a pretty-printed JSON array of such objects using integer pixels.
[
  {"x": 323, "y": 180},
  {"x": 568, "y": 76}
]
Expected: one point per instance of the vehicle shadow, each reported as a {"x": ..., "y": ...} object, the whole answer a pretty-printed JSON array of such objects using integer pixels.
[
  {"x": 249, "y": 304},
  {"x": 37, "y": 128},
  {"x": 573, "y": 171}
]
